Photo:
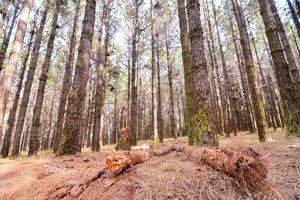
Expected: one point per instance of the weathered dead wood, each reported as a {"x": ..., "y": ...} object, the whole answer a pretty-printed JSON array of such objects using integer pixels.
[
  {"x": 243, "y": 164},
  {"x": 120, "y": 161}
]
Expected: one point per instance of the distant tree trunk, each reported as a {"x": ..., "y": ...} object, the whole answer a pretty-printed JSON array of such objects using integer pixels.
[
  {"x": 37, "y": 110},
  {"x": 288, "y": 92},
  {"x": 159, "y": 108},
  {"x": 199, "y": 119},
  {"x": 7, "y": 37},
  {"x": 251, "y": 74},
  {"x": 294, "y": 16},
  {"x": 185, "y": 49},
  {"x": 4, "y": 8},
  {"x": 297, "y": 2},
  {"x": 213, "y": 61},
  {"x": 287, "y": 48},
  {"x": 115, "y": 121},
  {"x": 228, "y": 100},
  {"x": 67, "y": 81},
  {"x": 272, "y": 100},
  {"x": 100, "y": 85},
  {"x": 49, "y": 130},
  {"x": 70, "y": 143},
  {"x": 128, "y": 91},
  {"x": 29, "y": 82},
  {"x": 133, "y": 99},
  {"x": 245, "y": 88},
  {"x": 13, "y": 111},
  {"x": 13, "y": 60},
  {"x": 170, "y": 77}
]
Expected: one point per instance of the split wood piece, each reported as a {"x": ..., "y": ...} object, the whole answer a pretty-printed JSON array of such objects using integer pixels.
[
  {"x": 243, "y": 164},
  {"x": 120, "y": 161}
]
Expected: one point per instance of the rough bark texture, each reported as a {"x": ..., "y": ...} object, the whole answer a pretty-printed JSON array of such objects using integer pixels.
[
  {"x": 13, "y": 111},
  {"x": 245, "y": 165},
  {"x": 294, "y": 16},
  {"x": 76, "y": 98},
  {"x": 255, "y": 92},
  {"x": 7, "y": 36},
  {"x": 13, "y": 60},
  {"x": 34, "y": 142},
  {"x": 67, "y": 81},
  {"x": 288, "y": 92},
  {"x": 199, "y": 119},
  {"x": 101, "y": 74},
  {"x": 29, "y": 82}
]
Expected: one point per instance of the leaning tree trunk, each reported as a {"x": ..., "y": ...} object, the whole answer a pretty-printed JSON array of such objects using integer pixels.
[
  {"x": 70, "y": 143},
  {"x": 100, "y": 85},
  {"x": 29, "y": 82},
  {"x": 13, "y": 111},
  {"x": 7, "y": 37},
  {"x": 13, "y": 60},
  {"x": 37, "y": 110},
  {"x": 199, "y": 119},
  {"x": 255, "y": 92},
  {"x": 67, "y": 81},
  {"x": 291, "y": 104}
]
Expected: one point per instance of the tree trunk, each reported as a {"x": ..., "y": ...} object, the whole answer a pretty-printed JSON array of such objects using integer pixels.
[
  {"x": 287, "y": 48},
  {"x": 37, "y": 110},
  {"x": 4, "y": 8},
  {"x": 67, "y": 81},
  {"x": 159, "y": 108},
  {"x": 100, "y": 85},
  {"x": 13, "y": 60},
  {"x": 291, "y": 104},
  {"x": 13, "y": 111},
  {"x": 251, "y": 74},
  {"x": 227, "y": 98},
  {"x": 7, "y": 37},
  {"x": 76, "y": 98},
  {"x": 199, "y": 119},
  {"x": 294, "y": 16},
  {"x": 29, "y": 82}
]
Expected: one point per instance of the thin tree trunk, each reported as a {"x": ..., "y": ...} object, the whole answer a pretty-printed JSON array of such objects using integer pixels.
[
  {"x": 13, "y": 111},
  {"x": 159, "y": 108},
  {"x": 29, "y": 82},
  {"x": 170, "y": 77},
  {"x": 46, "y": 144},
  {"x": 4, "y": 8},
  {"x": 294, "y": 16},
  {"x": 288, "y": 92},
  {"x": 70, "y": 143},
  {"x": 7, "y": 37},
  {"x": 100, "y": 85},
  {"x": 255, "y": 92},
  {"x": 199, "y": 119},
  {"x": 67, "y": 81},
  {"x": 37, "y": 110},
  {"x": 13, "y": 60}
]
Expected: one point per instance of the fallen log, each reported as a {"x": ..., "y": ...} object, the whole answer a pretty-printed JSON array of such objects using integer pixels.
[
  {"x": 243, "y": 164},
  {"x": 120, "y": 161}
]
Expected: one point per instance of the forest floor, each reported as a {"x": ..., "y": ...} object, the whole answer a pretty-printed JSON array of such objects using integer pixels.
[{"x": 173, "y": 176}]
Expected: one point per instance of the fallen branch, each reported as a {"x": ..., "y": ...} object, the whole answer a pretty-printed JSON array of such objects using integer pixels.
[{"x": 243, "y": 164}]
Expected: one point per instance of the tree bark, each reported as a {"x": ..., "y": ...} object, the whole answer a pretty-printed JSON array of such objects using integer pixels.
[
  {"x": 70, "y": 143},
  {"x": 294, "y": 16},
  {"x": 199, "y": 119},
  {"x": 13, "y": 60},
  {"x": 288, "y": 92},
  {"x": 29, "y": 82},
  {"x": 7, "y": 37},
  {"x": 255, "y": 92},
  {"x": 67, "y": 81},
  {"x": 13, "y": 111},
  {"x": 159, "y": 108},
  {"x": 101, "y": 74},
  {"x": 37, "y": 110}
]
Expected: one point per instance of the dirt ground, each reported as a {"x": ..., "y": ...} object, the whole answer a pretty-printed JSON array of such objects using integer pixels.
[{"x": 173, "y": 176}]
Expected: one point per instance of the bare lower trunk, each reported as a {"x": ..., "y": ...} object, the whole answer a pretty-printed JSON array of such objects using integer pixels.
[
  {"x": 67, "y": 81},
  {"x": 37, "y": 110},
  {"x": 13, "y": 111},
  {"x": 76, "y": 98},
  {"x": 255, "y": 92},
  {"x": 159, "y": 108},
  {"x": 29, "y": 82},
  {"x": 13, "y": 60}
]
